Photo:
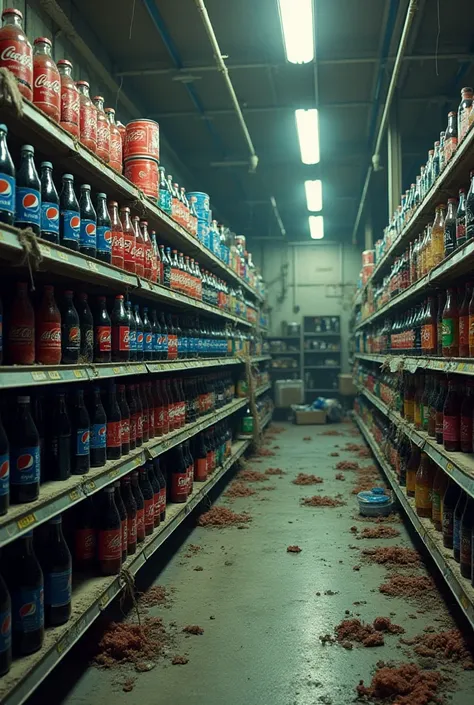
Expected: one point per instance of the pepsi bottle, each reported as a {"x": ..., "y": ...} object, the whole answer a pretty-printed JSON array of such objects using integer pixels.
[
  {"x": 98, "y": 438},
  {"x": 69, "y": 214},
  {"x": 156, "y": 336},
  {"x": 80, "y": 435},
  {"x": 88, "y": 231},
  {"x": 4, "y": 471},
  {"x": 5, "y": 629},
  {"x": 7, "y": 180},
  {"x": 24, "y": 579},
  {"x": 140, "y": 336},
  {"x": 49, "y": 205},
  {"x": 70, "y": 331},
  {"x": 25, "y": 464},
  {"x": 104, "y": 232},
  {"x": 55, "y": 560},
  {"x": 59, "y": 441},
  {"x": 133, "y": 331},
  {"x": 147, "y": 336},
  {"x": 28, "y": 192}
]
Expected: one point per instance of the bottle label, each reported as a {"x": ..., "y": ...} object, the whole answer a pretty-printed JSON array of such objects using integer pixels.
[
  {"x": 471, "y": 336},
  {"x": 162, "y": 500},
  {"x": 200, "y": 469},
  {"x": 447, "y": 522},
  {"x": 466, "y": 430},
  {"x": 157, "y": 504},
  {"x": 145, "y": 424},
  {"x": 428, "y": 337},
  {"x": 115, "y": 148},
  {"x": 5, "y": 631},
  {"x": 28, "y": 206},
  {"x": 70, "y": 225},
  {"x": 164, "y": 344},
  {"x": 104, "y": 239},
  {"x": 465, "y": 546},
  {"x": 148, "y": 343},
  {"x": 98, "y": 435},
  {"x": 49, "y": 336},
  {"x": 88, "y": 121},
  {"x": 17, "y": 57},
  {"x": 141, "y": 523},
  {"x": 436, "y": 507},
  {"x": 172, "y": 347},
  {"x": 124, "y": 534},
  {"x": 450, "y": 146},
  {"x": 49, "y": 217},
  {"x": 7, "y": 193},
  {"x": 451, "y": 430},
  {"x": 46, "y": 89},
  {"x": 82, "y": 441},
  {"x": 4, "y": 475},
  {"x": 422, "y": 496},
  {"x": 121, "y": 338},
  {"x": 129, "y": 248},
  {"x": 103, "y": 136},
  {"x": 464, "y": 332},
  {"x": 133, "y": 339},
  {"x": 439, "y": 423},
  {"x": 109, "y": 545},
  {"x": 114, "y": 436},
  {"x": 103, "y": 338},
  {"x": 69, "y": 103},
  {"x": 448, "y": 332},
  {"x": 84, "y": 545},
  {"x": 179, "y": 485},
  {"x": 460, "y": 232},
  {"x": 133, "y": 428},
  {"x": 25, "y": 466},
  {"x": 149, "y": 512},
  {"x": 139, "y": 426},
  {"x": 58, "y": 588},
  {"x": 125, "y": 431},
  {"x": 27, "y": 609},
  {"x": 456, "y": 533},
  {"x": 132, "y": 529},
  {"x": 140, "y": 340},
  {"x": 88, "y": 233},
  {"x": 118, "y": 243},
  {"x": 156, "y": 343}
]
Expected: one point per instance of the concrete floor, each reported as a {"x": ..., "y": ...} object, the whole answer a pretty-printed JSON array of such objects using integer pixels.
[{"x": 262, "y": 645}]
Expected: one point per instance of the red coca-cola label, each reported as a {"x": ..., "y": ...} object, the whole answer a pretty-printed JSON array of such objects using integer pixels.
[
  {"x": 118, "y": 245},
  {"x": 172, "y": 347},
  {"x": 148, "y": 251},
  {"x": 124, "y": 534},
  {"x": 47, "y": 88},
  {"x": 142, "y": 137},
  {"x": 133, "y": 428},
  {"x": 166, "y": 419},
  {"x": 157, "y": 506},
  {"x": 151, "y": 422},
  {"x": 103, "y": 336},
  {"x": 17, "y": 57},
  {"x": 162, "y": 500},
  {"x": 139, "y": 427},
  {"x": 109, "y": 544},
  {"x": 114, "y": 436},
  {"x": 159, "y": 420},
  {"x": 129, "y": 252},
  {"x": 121, "y": 338},
  {"x": 115, "y": 149},
  {"x": 200, "y": 470},
  {"x": 144, "y": 174},
  {"x": 140, "y": 258},
  {"x": 466, "y": 430},
  {"x": 48, "y": 338},
  {"x": 21, "y": 342},
  {"x": 84, "y": 545},
  {"x": 179, "y": 486},
  {"x": 451, "y": 430},
  {"x": 464, "y": 335},
  {"x": 149, "y": 513},
  {"x": 450, "y": 146},
  {"x": 141, "y": 523},
  {"x": 88, "y": 123},
  {"x": 145, "y": 425},
  {"x": 69, "y": 101},
  {"x": 460, "y": 231},
  {"x": 132, "y": 529},
  {"x": 125, "y": 431},
  {"x": 103, "y": 137}
]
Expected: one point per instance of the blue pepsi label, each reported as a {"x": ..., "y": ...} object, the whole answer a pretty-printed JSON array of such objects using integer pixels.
[
  {"x": 140, "y": 340},
  {"x": 25, "y": 466},
  {"x": 27, "y": 609},
  {"x": 28, "y": 205},
  {"x": 132, "y": 339},
  {"x": 5, "y": 631},
  {"x": 70, "y": 225},
  {"x": 156, "y": 343},
  {"x": 7, "y": 193},
  {"x": 82, "y": 441},
  {"x": 148, "y": 342},
  {"x": 4, "y": 474},
  {"x": 49, "y": 218},
  {"x": 57, "y": 588},
  {"x": 164, "y": 343},
  {"x": 98, "y": 435},
  {"x": 88, "y": 233},
  {"x": 200, "y": 349},
  {"x": 104, "y": 239}
]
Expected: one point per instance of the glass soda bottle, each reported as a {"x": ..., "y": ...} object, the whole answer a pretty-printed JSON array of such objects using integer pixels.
[
  {"x": 439, "y": 487},
  {"x": 56, "y": 563},
  {"x": 437, "y": 236},
  {"x": 86, "y": 323},
  {"x": 140, "y": 503},
  {"x": 46, "y": 79},
  {"x": 464, "y": 111},
  {"x": 21, "y": 332},
  {"x": 423, "y": 487},
  {"x": 452, "y": 419},
  {"x": 139, "y": 247},
  {"x": 69, "y": 119},
  {"x": 48, "y": 330},
  {"x": 123, "y": 519},
  {"x": 461, "y": 219},
  {"x": 16, "y": 52},
  {"x": 102, "y": 332},
  {"x": 115, "y": 152},
  {"x": 470, "y": 208},
  {"x": 28, "y": 192},
  {"x": 450, "y": 242},
  {"x": 70, "y": 331},
  {"x": 80, "y": 434},
  {"x": 450, "y": 340},
  {"x": 25, "y": 462},
  {"x": 104, "y": 232},
  {"x": 129, "y": 241},
  {"x": 117, "y": 235},
  {"x": 451, "y": 137},
  {"x": 464, "y": 321},
  {"x": 467, "y": 525},
  {"x": 131, "y": 509},
  {"x": 7, "y": 180},
  {"x": 69, "y": 214},
  {"x": 59, "y": 441},
  {"x": 49, "y": 205},
  {"x": 88, "y": 228},
  {"x": 98, "y": 437},
  {"x": 109, "y": 536},
  {"x": 120, "y": 332},
  {"x": 103, "y": 130},
  {"x": 124, "y": 419},
  {"x": 114, "y": 424},
  {"x": 87, "y": 117},
  {"x": 450, "y": 499}
]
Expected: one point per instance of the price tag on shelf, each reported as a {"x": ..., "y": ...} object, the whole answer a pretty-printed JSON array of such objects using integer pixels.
[
  {"x": 464, "y": 600},
  {"x": 80, "y": 374},
  {"x": 449, "y": 466},
  {"x": 89, "y": 486},
  {"x": 114, "y": 473},
  {"x": 39, "y": 376},
  {"x": 62, "y": 256},
  {"x": 54, "y": 374},
  {"x": 74, "y": 495},
  {"x": 26, "y": 521},
  {"x": 104, "y": 600},
  {"x": 92, "y": 266},
  {"x": 138, "y": 460}
]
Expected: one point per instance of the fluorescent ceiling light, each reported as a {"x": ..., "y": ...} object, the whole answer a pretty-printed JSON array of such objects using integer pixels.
[
  {"x": 316, "y": 227},
  {"x": 307, "y": 124},
  {"x": 297, "y": 24},
  {"x": 314, "y": 195}
]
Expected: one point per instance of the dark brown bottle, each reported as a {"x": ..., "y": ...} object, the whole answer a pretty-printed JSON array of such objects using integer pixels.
[
  {"x": 467, "y": 525},
  {"x": 432, "y": 410},
  {"x": 467, "y": 410},
  {"x": 131, "y": 509},
  {"x": 464, "y": 321},
  {"x": 452, "y": 419},
  {"x": 439, "y": 324},
  {"x": 458, "y": 512},
  {"x": 450, "y": 500},
  {"x": 450, "y": 227},
  {"x": 443, "y": 391},
  {"x": 412, "y": 469},
  {"x": 429, "y": 342},
  {"x": 450, "y": 325}
]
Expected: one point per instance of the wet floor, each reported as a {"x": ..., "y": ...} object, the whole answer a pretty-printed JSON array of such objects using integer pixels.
[{"x": 263, "y": 610}]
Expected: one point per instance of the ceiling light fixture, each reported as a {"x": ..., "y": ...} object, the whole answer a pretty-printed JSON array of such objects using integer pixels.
[
  {"x": 314, "y": 195},
  {"x": 307, "y": 124},
  {"x": 316, "y": 227},
  {"x": 297, "y": 25}
]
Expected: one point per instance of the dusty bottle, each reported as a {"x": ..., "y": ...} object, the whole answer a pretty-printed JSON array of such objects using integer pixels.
[
  {"x": 467, "y": 524},
  {"x": 461, "y": 219},
  {"x": 451, "y": 137},
  {"x": 450, "y": 241},
  {"x": 411, "y": 470},
  {"x": 439, "y": 323},
  {"x": 443, "y": 391},
  {"x": 69, "y": 119},
  {"x": 464, "y": 111},
  {"x": 102, "y": 332},
  {"x": 439, "y": 487},
  {"x": 437, "y": 235},
  {"x": 109, "y": 538},
  {"x": 129, "y": 241},
  {"x": 429, "y": 342},
  {"x": 48, "y": 330},
  {"x": 103, "y": 130},
  {"x": 115, "y": 152},
  {"x": 452, "y": 419},
  {"x": 46, "y": 79},
  {"x": 470, "y": 209},
  {"x": 70, "y": 331},
  {"x": 117, "y": 235},
  {"x": 131, "y": 509},
  {"x": 104, "y": 231},
  {"x": 464, "y": 320},
  {"x": 120, "y": 332},
  {"x": 16, "y": 52},
  {"x": 451, "y": 325},
  {"x": 450, "y": 499},
  {"x": 139, "y": 247},
  {"x": 457, "y": 518},
  {"x": 87, "y": 117},
  {"x": 86, "y": 323},
  {"x": 467, "y": 410}
]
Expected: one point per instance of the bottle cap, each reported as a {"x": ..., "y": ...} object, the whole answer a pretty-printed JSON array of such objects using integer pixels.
[
  {"x": 68, "y": 177},
  {"x": 27, "y": 149},
  {"x": 46, "y": 165},
  {"x": 85, "y": 187},
  {"x": 12, "y": 11},
  {"x": 43, "y": 40},
  {"x": 3, "y": 128},
  {"x": 101, "y": 195},
  {"x": 64, "y": 62}
]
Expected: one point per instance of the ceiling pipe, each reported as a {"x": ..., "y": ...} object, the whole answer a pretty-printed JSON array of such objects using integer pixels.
[
  {"x": 277, "y": 216},
  {"x": 375, "y": 164},
  {"x": 225, "y": 73}
]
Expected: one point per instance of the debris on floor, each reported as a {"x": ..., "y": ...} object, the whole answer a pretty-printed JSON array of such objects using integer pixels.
[
  {"x": 239, "y": 489},
  {"x": 179, "y": 660},
  {"x": 369, "y": 635},
  {"x": 378, "y": 532},
  {"x": 392, "y": 555},
  {"x": 193, "y": 629},
  {"x": 347, "y": 465},
  {"x": 274, "y": 471},
  {"x": 125, "y": 642},
  {"x": 340, "y": 476},
  {"x": 293, "y": 549},
  {"x": 251, "y": 476},
  {"x": 222, "y": 516},
  {"x": 305, "y": 479},
  {"x": 154, "y": 596},
  {"x": 398, "y": 585},
  {"x": 449, "y": 645},
  {"x": 406, "y": 684},
  {"x": 321, "y": 501}
]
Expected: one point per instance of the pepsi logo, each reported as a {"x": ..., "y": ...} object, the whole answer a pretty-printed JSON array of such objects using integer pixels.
[
  {"x": 5, "y": 188},
  {"x": 52, "y": 213},
  {"x": 4, "y": 470},
  {"x": 85, "y": 437},
  {"x": 102, "y": 431},
  {"x": 74, "y": 334},
  {"x": 28, "y": 610},
  {"x": 107, "y": 235},
  {"x": 75, "y": 221},
  {"x": 5, "y": 626},
  {"x": 30, "y": 201},
  {"x": 25, "y": 462},
  {"x": 90, "y": 228}
]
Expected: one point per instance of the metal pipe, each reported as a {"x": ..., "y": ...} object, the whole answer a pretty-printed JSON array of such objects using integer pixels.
[
  {"x": 277, "y": 216},
  {"x": 412, "y": 8},
  {"x": 225, "y": 73}
]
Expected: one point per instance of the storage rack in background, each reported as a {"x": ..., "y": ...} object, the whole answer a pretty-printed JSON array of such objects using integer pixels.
[
  {"x": 70, "y": 269},
  {"x": 285, "y": 351},
  {"x": 320, "y": 355}
]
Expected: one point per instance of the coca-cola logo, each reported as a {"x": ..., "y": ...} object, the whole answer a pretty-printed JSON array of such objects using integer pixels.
[
  {"x": 21, "y": 333},
  {"x": 103, "y": 132},
  {"x": 150, "y": 511},
  {"x": 90, "y": 121},
  {"x": 129, "y": 245},
  {"x": 182, "y": 481},
  {"x": 142, "y": 174},
  {"x": 113, "y": 541},
  {"x": 125, "y": 429},
  {"x": 52, "y": 336},
  {"x": 135, "y": 135},
  {"x": 88, "y": 542},
  {"x": 155, "y": 141},
  {"x": 116, "y": 147},
  {"x": 10, "y": 54},
  {"x": 42, "y": 81},
  {"x": 118, "y": 241}
]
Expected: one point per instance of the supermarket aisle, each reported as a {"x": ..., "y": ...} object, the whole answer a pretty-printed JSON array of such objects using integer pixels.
[{"x": 264, "y": 610}]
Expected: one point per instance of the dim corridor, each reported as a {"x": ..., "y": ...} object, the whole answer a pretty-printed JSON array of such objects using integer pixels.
[{"x": 268, "y": 615}]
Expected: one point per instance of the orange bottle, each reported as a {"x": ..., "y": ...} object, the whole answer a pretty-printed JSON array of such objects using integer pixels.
[
  {"x": 424, "y": 486},
  {"x": 440, "y": 483},
  {"x": 412, "y": 468}
]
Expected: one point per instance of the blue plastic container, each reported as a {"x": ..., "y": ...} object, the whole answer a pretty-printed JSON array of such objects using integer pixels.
[{"x": 375, "y": 502}]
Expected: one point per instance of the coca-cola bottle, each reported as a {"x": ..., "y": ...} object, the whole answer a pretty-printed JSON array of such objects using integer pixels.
[
  {"x": 200, "y": 459},
  {"x": 117, "y": 235},
  {"x": 98, "y": 437},
  {"x": 103, "y": 130},
  {"x": 58, "y": 444},
  {"x": 139, "y": 247},
  {"x": 69, "y": 119},
  {"x": 56, "y": 563},
  {"x": 123, "y": 519},
  {"x": 104, "y": 232},
  {"x": 147, "y": 249},
  {"x": 102, "y": 332},
  {"x": 139, "y": 414},
  {"x": 109, "y": 535},
  {"x": 179, "y": 477},
  {"x": 125, "y": 419},
  {"x": 120, "y": 332},
  {"x": 115, "y": 142},
  {"x": 166, "y": 266},
  {"x": 149, "y": 500},
  {"x": 46, "y": 80},
  {"x": 132, "y": 405},
  {"x": 21, "y": 332},
  {"x": 114, "y": 424},
  {"x": 155, "y": 260},
  {"x": 140, "y": 502},
  {"x": 140, "y": 337},
  {"x": 86, "y": 323},
  {"x": 131, "y": 509},
  {"x": 85, "y": 538},
  {"x": 48, "y": 330},
  {"x": 87, "y": 117},
  {"x": 16, "y": 52},
  {"x": 145, "y": 412},
  {"x": 129, "y": 241},
  {"x": 80, "y": 434},
  {"x": 133, "y": 331},
  {"x": 160, "y": 476}
]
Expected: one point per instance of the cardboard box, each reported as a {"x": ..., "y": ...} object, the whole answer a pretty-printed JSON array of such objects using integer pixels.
[
  {"x": 288, "y": 392},
  {"x": 347, "y": 387},
  {"x": 310, "y": 418}
]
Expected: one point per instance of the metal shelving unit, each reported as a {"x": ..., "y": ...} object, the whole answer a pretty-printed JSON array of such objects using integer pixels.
[
  {"x": 310, "y": 363},
  {"x": 399, "y": 363}
]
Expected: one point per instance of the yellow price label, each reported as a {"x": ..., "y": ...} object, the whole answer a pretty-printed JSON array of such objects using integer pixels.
[
  {"x": 54, "y": 375},
  {"x": 39, "y": 376},
  {"x": 139, "y": 369},
  {"x": 62, "y": 645},
  {"x": 27, "y": 521},
  {"x": 90, "y": 486},
  {"x": 464, "y": 600},
  {"x": 137, "y": 461},
  {"x": 79, "y": 374},
  {"x": 92, "y": 266},
  {"x": 449, "y": 467},
  {"x": 62, "y": 256},
  {"x": 117, "y": 370},
  {"x": 113, "y": 473},
  {"x": 74, "y": 495}
]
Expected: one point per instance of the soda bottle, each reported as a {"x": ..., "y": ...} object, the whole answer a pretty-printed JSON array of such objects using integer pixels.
[
  {"x": 452, "y": 419},
  {"x": 21, "y": 332},
  {"x": 172, "y": 340},
  {"x": 59, "y": 441},
  {"x": 164, "y": 197},
  {"x": 114, "y": 424},
  {"x": 117, "y": 236},
  {"x": 98, "y": 437},
  {"x": 133, "y": 331},
  {"x": 103, "y": 130},
  {"x": 139, "y": 415},
  {"x": 132, "y": 405},
  {"x": 46, "y": 79},
  {"x": 123, "y": 519},
  {"x": 7, "y": 180},
  {"x": 49, "y": 205},
  {"x": 69, "y": 214},
  {"x": 147, "y": 336},
  {"x": 464, "y": 320},
  {"x": 25, "y": 464},
  {"x": 102, "y": 332},
  {"x": 450, "y": 227},
  {"x": 147, "y": 249},
  {"x": 450, "y": 339},
  {"x": 467, "y": 525},
  {"x": 166, "y": 265},
  {"x": 123, "y": 132},
  {"x": 139, "y": 247},
  {"x": 70, "y": 102},
  {"x": 469, "y": 221},
  {"x": 4, "y": 476},
  {"x": 16, "y": 52},
  {"x": 88, "y": 230},
  {"x": 156, "y": 493},
  {"x": 148, "y": 498},
  {"x": 86, "y": 323},
  {"x": 28, "y": 196},
  {"x": 104, "y": 233},
  {"x": 125, "y": 419},
  {"x": 120, "y": 332},
  {"x": 140, "y": 336},
  {"x": 115, "y": 151},
  {"x": 160, "y": 410},
  {"x": 164, "y": 337},
  {"x": 24, "y": 579},
  {"x": 48, "y": 330},
  {"x": 179, "y": 477},
  {"x": 85, "y": 538},
  {"x": 155, "y": 259},
  {"x": 129, "y": 241},
  {"x": 70, "y": 331},
  {"x": 56, "y": 563},
  {"x": 109, "y": 535},
  {"x": 155, "y": 336},
  {"x": 131, "y": 509},
  {"x": 461, "y": 219},
  {"x": 5, "y": 629},
  {"x": 200, "y": 459},
  {"x": 464, "y": 110},
  {"x": 37, "y": 413},
  {"x": 87, "y": 117},
  {"x": 80, "y": 434},
  {"x": 160, "y": 476},
  {"x": 456, "y": 523},
  {"x": 140, "y": 502}
]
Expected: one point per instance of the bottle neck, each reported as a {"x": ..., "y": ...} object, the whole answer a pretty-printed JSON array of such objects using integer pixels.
[
  {"x": 12, "y": 21},
  {"x": 42, "y": 48}
]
